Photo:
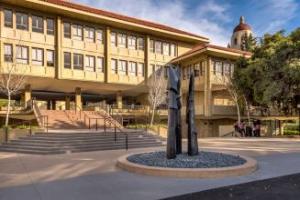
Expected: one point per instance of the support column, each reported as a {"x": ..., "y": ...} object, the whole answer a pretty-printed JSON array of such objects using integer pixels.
[
  {"x": 119, "y": 100},
  {"x": 207, "y": 90},
  {"x": 27, "y": 96},
  {"x": 107, "y": 48},
  {"x": 67, "y": 103},
  {"x": 147, "y": 57},
  {"x": 59, "y": 54},
  {"x": 78, "y": 101},
  {"x": 49, "y": 107},
  {"x": 53, "y": 104}
]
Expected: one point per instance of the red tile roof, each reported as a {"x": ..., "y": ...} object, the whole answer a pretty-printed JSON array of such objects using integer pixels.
[
  {"x": 121, "y": 17},
  {"x": 242, "y": 27},
  {"x": 205, "y": 46}
]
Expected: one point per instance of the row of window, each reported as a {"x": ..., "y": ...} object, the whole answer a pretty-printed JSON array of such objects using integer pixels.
[
  {"x": 127, "y": 41},
  {"x": 22, "y": 22},
  {"x": 81, "y": 62},
  {"x": 79, "y": 32},
  {"x": 198, "y": 68},
  {"x": 130, "y": 68},
  {"x": 164, "y": 48},
  {"x": 223, "y": 67},
  {"x": 37, "y": 55}
]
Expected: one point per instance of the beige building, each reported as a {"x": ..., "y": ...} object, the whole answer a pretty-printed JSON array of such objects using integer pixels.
[{"x": 74, "y": 55}]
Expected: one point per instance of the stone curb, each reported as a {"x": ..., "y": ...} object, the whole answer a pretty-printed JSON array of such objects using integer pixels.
[{"x": 248, "y": 167}]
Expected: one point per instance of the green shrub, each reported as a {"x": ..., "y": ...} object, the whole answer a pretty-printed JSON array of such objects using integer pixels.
[
  {"x": 292, "y": 127},
  {"x": 291, "y": 132}
]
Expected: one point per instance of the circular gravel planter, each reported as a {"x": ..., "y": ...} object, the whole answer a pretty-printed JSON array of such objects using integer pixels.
[{"x": 204, "y": 165}]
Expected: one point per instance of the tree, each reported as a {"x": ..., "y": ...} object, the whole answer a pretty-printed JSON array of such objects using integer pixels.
[
  {"x": 234, "y": 92},
  {"x": 11, "y": 82},
  {"x": 271, "y": 78},
  {"x": 157, "y": 91},
  {"x": 249, "y": 43}
]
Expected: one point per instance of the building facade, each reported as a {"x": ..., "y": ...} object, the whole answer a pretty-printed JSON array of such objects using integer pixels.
[{"x": 73, "y": 55}]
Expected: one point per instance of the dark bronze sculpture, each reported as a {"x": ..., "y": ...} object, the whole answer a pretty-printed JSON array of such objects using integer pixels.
[
  {"x": 174, "y": 140},
  {"x": 190, "y": 119},
  {"x": 173, "y": 92},
  {"x": 178, "y": 125}
]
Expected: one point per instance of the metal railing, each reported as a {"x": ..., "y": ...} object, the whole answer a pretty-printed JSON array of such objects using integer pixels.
[{"x": 41, "y": 119}]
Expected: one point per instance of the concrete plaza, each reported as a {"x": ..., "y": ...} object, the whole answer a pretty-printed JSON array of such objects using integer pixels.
[{"x": 93, "y": 175}]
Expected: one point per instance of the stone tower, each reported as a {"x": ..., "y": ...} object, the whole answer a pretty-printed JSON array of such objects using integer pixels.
[{"x": 240, "y": 31}]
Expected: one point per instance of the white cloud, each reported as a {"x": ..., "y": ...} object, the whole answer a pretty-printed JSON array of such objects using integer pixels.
[
  {"x": 207, "y": 19},
  {"x": 274, "y": 14}
]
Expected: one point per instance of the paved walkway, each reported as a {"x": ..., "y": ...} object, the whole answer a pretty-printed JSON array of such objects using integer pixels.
[{"x": 93, "y": 175}]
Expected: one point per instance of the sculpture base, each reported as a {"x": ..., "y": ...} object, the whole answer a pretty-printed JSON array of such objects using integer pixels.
[{"x": 204, "y": 165}]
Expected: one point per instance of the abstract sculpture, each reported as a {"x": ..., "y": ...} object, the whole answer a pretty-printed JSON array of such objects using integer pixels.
[
  {"x": 174, "y": 140},
  {"x": 173, "y": 92},
  {"x": 190, "y": 119}
]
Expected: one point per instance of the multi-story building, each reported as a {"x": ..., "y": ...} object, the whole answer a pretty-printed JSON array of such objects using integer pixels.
[{"x": 72, "y": 54}]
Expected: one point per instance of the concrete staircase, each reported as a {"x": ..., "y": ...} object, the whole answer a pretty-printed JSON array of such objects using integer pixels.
[
  {"x": 60, "y": 119},
  {"x": 68, "y": 142},
  {"x": 69, "y": 119}
]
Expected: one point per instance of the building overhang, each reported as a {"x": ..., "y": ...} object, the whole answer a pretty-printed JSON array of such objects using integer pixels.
[
  {"x": 212, "y": 50},
  {"x": 92, "y": 15}
]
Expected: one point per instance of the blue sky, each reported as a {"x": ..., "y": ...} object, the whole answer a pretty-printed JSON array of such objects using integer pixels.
[{"x": 211, "y": 18}]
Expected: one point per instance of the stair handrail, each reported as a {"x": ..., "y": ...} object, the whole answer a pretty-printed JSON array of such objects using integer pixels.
[{"x": 41, "y": 119}]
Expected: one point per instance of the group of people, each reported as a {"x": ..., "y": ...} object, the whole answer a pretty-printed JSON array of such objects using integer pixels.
[{"x": 248, "y": 130}]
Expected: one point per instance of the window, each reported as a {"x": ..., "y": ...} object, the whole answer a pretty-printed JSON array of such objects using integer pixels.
[
  {"x": 226, "y": 67},
  {"x": 173, "y": 51},
  {"x": 140, "y": 43},
  {"x": 67, "y": 60},
  {"x": 141, "y": 69},
  {"x": 8, "y": 18},
  {"x": 90, "y": 34},
  {"x": 77, "y": 32},
  {"x": 132, "y": 68},
  {"x": 78, "y": 61},
  {"x": 67, "y": 30},
  {"x": 100, "y": 62},
  {"x": 218, "y": 67},
  {"x": 131, "y": 42},
  {"x": 22, "y": 21},
  {"x": 122, "y": 40},
  {"x": 50, "y": 58},
  {"x": 113, "y": 39},
  {"x": 90, "y": 63},
  {"x": 122, "y": 67},
  {"x": 8, "y": 52},
  {"x": 158, "y": 47},
  {"x": 50, "y": 26},
  {"x": 202, "y": 68},
  {"x": 231, "y": 68},
  {"x": 197, "y": 69},
  {"x": 99, "y": 35},
  {"x": 152, "y": 46},
  {"x": 37, "y": 56},
  {"x": 223, "y": 102},
  {"x": 22, "y": 54},
  {"x": 114, "y": 66},
  {"x": 235, "y": 41},
  {"x": 37, "y": 24},
  {"x": 166, "y": 49}
]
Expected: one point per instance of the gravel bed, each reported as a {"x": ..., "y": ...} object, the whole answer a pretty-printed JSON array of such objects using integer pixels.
[{"x": 202, "y": 160}]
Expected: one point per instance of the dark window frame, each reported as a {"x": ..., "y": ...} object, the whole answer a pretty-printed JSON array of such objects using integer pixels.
[
  {"x": 79, "y": 65},
  {"x": 37, "y": 19},
  {"x": 9, "y": 23},
  {"x": 67, "y": 65},
  {"x": 50, "y": 31},
  {"x": 9, "y": 58},
  {"x": 67, "y": 31},
  {"x": 24, "y": 26},
  {"x": 50, "y": 64}
]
